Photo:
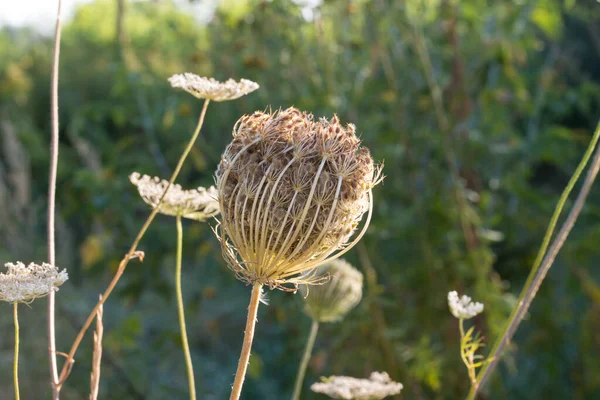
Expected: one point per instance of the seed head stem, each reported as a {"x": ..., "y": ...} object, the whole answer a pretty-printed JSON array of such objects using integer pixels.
[
  {"x": 130, "y": 254},
  {"x": 305, "y": 358},
  {"x": 16, "y": 359},
  {"x": 52, "y": 199},
  {"x": 240, "y": 374},
  {"x": 181, "y": 312}
]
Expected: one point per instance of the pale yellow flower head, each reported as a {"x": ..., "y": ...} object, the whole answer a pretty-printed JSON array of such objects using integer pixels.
[
  {"x": 292, "y": 193},
  {"x": 378, "y": 386},
  {"x": 332, "y": 300},
  {"x": 197, "y": 204},
  {"x": 211, "y": 89},
  {"x": 25, "y": 283}
]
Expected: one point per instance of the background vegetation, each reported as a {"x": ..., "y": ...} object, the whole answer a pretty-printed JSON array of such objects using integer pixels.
[{"x": 480, "y": 109}]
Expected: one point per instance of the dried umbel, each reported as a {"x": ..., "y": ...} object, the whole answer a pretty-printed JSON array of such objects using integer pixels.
[
  {"x": 211, "y": 89},
  {"x": 197, "y": 204},
  {"x": 292, "y": 192},
  {"x": 332, "y": 300},
  {"x": 25, "y": 283},
  {"x": 378, "y": 386},
  {"x": 463, "y": 307}
]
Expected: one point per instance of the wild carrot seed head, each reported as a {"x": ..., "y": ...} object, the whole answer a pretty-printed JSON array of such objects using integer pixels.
[
  {"x": 197, "y": 204},
  {"x": 332, "y": 300},
  {"x": 25, "y": 283},
  {"x": 292, "y": 192},
  {"x": 210, "y": 88},
  {"x": 378, "y": 386}
]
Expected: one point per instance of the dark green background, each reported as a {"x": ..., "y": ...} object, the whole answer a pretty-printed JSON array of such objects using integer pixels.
[{"x": 520, "y": 88}]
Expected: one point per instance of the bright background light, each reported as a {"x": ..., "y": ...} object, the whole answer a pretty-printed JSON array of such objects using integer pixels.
[{"x": 38, "y": 13}]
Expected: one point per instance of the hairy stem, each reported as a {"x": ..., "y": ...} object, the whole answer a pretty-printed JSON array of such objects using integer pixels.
[
  {"x": 52, "y": 200},
  {"x": 305, "y": 358},
  {"x": 16, "y": 359},
  {"x": 130, "y": 254},
  {"x": 544, "y": 260},
  {"x": 181, "y": 312},
  {"x": 240, "y": 374}
]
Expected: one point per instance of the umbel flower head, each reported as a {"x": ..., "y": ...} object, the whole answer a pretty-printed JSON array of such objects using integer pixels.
[
  {"x": 463, "y": 307},
  {"x": 378, "y": 386},
  {"x": 25, "y": 283},
  {"x": 292, "y": 192},
  {"x": 211, "y": 89},
  {"x": 197, "y": 204},
  {"x": 332, "y": 300}
]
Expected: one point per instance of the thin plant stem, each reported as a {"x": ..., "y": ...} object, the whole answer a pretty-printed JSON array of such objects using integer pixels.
[
  {"x": 305, "y": 358},
  {"x": 66, "y": 369},
  {"x": 97, "y": 356},
  {"x": 240, "y": 374},
  {"x": 544, "y": 260},
  {"x": 16, "y": 359},
  {"x": 52, "y": 200},
  {"x": 181, "y": 312}
]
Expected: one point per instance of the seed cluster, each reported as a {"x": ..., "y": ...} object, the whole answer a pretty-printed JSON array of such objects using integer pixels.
[
  {"x": 197, "y": 204},
  {"x": 378, "y": 386},
  {"x": 210, "y": 88},
  {"x": 292, "y": 191},
  {"x": 25, "y": 283},
  {"x": 332, "y": 300}
]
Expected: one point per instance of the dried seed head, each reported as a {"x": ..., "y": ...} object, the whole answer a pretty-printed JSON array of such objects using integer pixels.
[
  {"x": 197, "y": 204},
  {"x": 332, "y": 300},
  {"x": 292, "y": 193},
  {"x": 211, "y": 89},
  {"x": 378, "y": 386},
  {"x": 23, "y": 284},
  {"x": 463, "y": 307}
]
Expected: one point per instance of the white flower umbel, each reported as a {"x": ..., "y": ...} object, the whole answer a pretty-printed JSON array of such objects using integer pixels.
[
  {"x": 463, "y": 307},
  {"x": 197, "y": 204},
  {"x": 25, "y": 283},
  {"x": 378, "y": 386},
  {"x": 211, "y": 89}
]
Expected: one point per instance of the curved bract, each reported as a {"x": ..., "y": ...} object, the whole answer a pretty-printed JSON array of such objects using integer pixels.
[{"x": 292, "y": 192}]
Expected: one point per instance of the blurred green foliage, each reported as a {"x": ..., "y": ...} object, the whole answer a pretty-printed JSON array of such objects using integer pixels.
[{"x": 480, "y": 110}]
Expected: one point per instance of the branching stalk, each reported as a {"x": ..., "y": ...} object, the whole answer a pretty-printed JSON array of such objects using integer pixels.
[
  {"x": 240, "y": 374},
  {"x": 66, "y": 369},
  {"x": 305, "y": 358},
  {"x": 97, "y": 356},
  {"x": 181, "y": 312},
  {"x": 544, "y": 260}
]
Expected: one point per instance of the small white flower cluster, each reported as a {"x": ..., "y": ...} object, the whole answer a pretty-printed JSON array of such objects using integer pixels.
[
  {"x": 210, "y": 88},
  {"x": 23, "y": 284},
  {"x": 378, "y": 386},
  {"x": 197, "y": 204},
  {"x": 463, "y": 307}
]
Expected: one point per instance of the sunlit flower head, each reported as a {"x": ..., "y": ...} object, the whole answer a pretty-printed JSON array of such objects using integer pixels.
[
  {"x": 378, "y": 386},
  {"x": 211, "y": 89},
  {"x": 197, "y": 204},
  {"x": 332, "y": 300},
  {"x": 25, "y": 283},
  {"x": 292, "y": 192},
  {"x": 463, "y": 307}
]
